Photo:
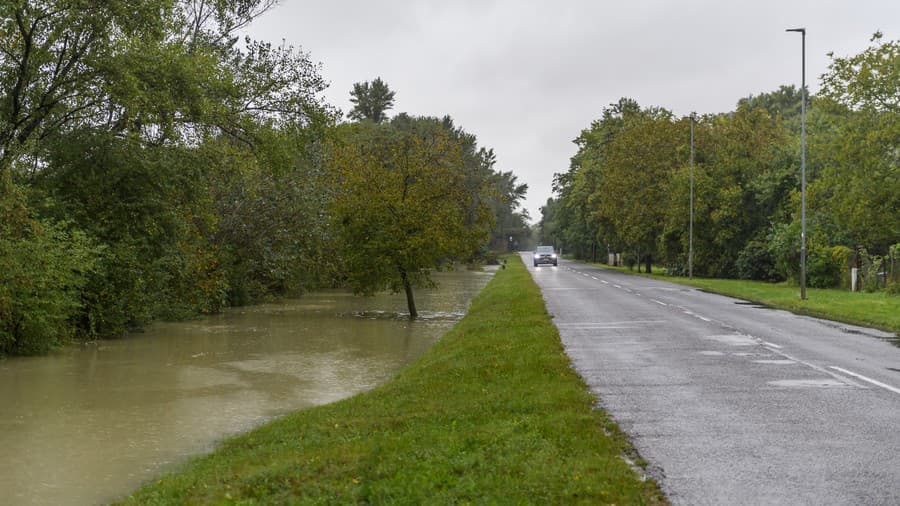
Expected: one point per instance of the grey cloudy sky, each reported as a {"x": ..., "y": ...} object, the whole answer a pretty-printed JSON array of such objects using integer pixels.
[{"x": 526, "y": 76}]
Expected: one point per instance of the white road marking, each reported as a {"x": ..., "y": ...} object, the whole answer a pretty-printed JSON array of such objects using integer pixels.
[
  {"x": 734, "y": 339},
  {"x": 617, "y": 286},
  {"x": 773, "y": 345},
  {"x": 605, "y": 282},
  {"x": 695, "y": 315},
  {"x": 594, "y": 278},
  {"x": 815, "y": 367},
  {"x": 659, "y": 302},
  {"x": 866, "y": 379},
  {"x": 809, "y": 383}
]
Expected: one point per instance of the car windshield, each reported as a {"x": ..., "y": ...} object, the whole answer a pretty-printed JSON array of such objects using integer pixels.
[{"x": 544, "y": 249}]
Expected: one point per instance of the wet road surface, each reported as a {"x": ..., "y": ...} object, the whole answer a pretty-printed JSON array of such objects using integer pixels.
[{"x": 729, "y": 402}]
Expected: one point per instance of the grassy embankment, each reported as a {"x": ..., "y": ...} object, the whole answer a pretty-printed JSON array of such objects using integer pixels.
[
  {"x": 877, "y": 310},
  {"x": 493, "y": 413}
]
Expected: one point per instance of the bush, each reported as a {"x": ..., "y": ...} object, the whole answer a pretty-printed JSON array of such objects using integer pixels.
[
  {"x": 755, "y": 262},
  {"x": 825, "y": 266},
  {"x": 41, "y": 276},
  {"x": 784, "y": 247}
]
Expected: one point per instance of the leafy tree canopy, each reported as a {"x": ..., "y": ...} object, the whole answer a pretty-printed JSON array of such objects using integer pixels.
[{"x": 371, "y": 101}]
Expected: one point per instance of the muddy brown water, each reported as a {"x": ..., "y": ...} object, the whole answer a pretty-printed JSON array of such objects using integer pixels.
[{"x": 89, "y": 425}]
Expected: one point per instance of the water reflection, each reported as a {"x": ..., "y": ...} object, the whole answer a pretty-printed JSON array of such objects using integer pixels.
[{"x": 87, "y": 425}]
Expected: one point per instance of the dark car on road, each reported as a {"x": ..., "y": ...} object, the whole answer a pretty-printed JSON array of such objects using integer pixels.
[{"x": 545, "y": 255}]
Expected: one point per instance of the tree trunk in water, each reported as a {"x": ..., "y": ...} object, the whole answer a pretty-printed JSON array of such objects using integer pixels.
[{"x": 410, "y": 300}]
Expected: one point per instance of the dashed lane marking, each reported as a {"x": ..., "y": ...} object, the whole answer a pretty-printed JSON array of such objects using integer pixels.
[
  {"x": 866, "y": 379},
  {"x": 661, "y": 303}
]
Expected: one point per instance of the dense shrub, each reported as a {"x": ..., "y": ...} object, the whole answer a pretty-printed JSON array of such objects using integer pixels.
[
  {"x": 755, "y": 261},
  {"x": 42, "y": 272},
  {"x": 825, "y": 266},
  {"x": 784, "y": 246}
]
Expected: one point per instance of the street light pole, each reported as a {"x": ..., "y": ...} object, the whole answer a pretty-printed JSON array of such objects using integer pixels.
[
  {"x": 802, "y": 165},
  {"x": 691, "y": 234}
]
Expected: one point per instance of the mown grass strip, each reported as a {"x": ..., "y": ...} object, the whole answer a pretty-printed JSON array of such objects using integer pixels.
[
  {"x": 492, "y": 414},
  {"x": 878, "y": 310}
]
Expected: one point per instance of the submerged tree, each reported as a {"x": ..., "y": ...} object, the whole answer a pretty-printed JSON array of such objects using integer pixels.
[
  {"x": 371, "y": 101},
  {"x": 401, "y": 206}
]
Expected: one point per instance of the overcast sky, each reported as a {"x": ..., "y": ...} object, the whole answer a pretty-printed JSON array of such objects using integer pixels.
[{"x": 526, "y": 77}]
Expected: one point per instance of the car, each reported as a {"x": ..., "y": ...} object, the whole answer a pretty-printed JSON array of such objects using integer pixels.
[{"x": 545, "y": 255}]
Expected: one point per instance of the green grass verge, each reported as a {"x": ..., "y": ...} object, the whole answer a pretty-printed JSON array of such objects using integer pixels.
[
  {"x": 877, "y": 310},
  {"x": 492, "y": 414}
]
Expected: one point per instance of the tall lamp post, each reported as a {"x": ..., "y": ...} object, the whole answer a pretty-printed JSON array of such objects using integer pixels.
[
  {"x": 802, "y": 165},
  {"x": 691, "y": 233}
]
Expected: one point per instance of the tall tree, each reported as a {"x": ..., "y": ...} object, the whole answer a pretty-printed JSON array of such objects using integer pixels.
[
  {"x": 859, "y": 187},
  {"x": 371, "y": 101},
  {"x": 400, "y": 204}
]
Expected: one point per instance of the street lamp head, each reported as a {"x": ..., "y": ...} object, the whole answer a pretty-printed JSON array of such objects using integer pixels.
[{"x": 801, "y": 30}]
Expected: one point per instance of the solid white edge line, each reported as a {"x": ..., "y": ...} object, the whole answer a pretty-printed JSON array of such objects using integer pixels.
[{"x": 868, "y": 380}]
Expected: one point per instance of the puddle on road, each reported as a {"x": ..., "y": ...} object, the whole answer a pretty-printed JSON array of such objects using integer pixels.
[
  {"x": 810, "y": 383},
  {"x": 755, "y": 305},
  {"x": 734, "y": 339}
]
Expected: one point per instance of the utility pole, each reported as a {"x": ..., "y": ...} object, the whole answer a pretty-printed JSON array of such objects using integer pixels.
[
  {"x": 691, "y": 233},
  {"x": 802, "y": 164}
]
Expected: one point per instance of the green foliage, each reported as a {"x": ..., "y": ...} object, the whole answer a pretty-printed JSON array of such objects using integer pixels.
[
  {"x": 784, "y": 246},
  {"x": 193, "y": 163},
  {"x": 371, "y": 101},
  {"x": 869, "y": 80},
  {"x": 825, "y": 266},
  {"x": 401, "y": 205},
  {"x": 745, "y": 179},
  {"x": 43, "y": 267},
  {"x": 755, "y": 261}
]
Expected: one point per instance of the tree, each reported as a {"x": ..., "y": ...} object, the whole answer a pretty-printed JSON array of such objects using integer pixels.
[
  {"x": 640, "y": 161},
  {"x": 400, "y": 204},
  {"x": 371, "y": 101},
  {"x": 868, "y": 80},
  {"x": 857, "y": 146}
]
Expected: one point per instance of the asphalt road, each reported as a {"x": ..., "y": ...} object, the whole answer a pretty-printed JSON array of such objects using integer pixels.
[{"x": 732, "y": 403}]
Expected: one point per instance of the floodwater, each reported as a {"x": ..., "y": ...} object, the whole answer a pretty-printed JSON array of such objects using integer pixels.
[{"x": 88, "y": 425}]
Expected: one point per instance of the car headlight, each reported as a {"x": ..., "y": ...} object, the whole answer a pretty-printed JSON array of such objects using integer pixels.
[{"x": 553, "y": 255}]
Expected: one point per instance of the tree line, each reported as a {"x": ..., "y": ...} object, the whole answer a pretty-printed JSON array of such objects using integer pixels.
[
  {"x": 628, "y": 185},
  {"x": 155, "y": 165}
]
